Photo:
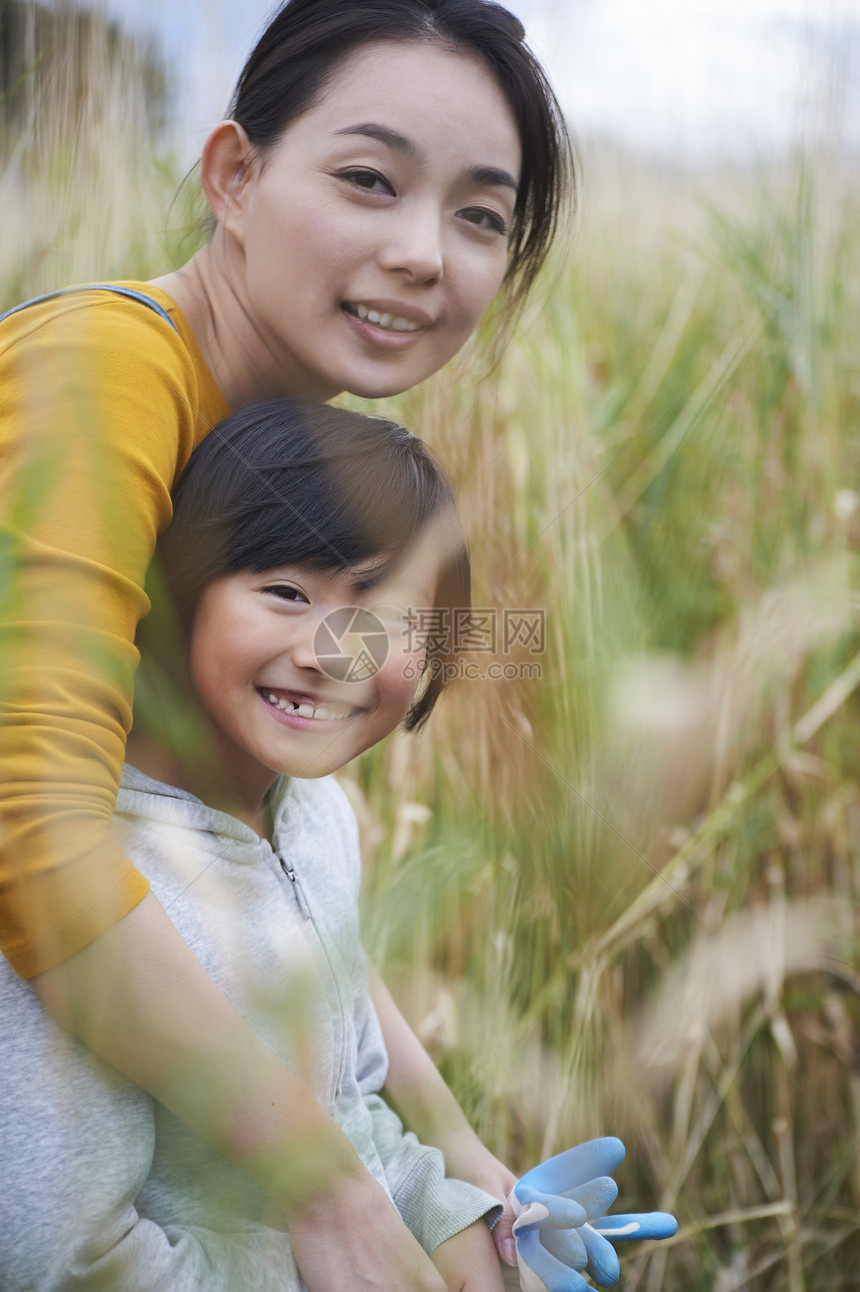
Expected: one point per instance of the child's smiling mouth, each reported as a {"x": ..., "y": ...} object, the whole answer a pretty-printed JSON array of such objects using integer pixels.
[{"x": 305, "y": 708}]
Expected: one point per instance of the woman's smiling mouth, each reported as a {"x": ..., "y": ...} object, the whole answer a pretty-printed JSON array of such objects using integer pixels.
[{"x": 384, "y": 319}]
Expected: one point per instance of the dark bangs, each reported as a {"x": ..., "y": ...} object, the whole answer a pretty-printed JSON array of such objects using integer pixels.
[{"x": 288, "y": 482}]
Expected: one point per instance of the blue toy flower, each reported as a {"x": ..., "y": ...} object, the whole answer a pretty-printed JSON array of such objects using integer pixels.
[{"x": 561, "y": 1226}]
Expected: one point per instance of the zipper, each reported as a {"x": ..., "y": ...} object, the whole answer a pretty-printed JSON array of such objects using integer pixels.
[
  {"x": 341, "y": 1006},
  {"x": 297, "y": 887}
]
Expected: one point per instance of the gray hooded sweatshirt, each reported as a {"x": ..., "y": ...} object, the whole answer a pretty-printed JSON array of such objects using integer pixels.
[{"x": 100, "y": 1186}]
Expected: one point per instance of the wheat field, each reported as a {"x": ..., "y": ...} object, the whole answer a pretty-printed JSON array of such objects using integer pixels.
[{"x": 616, "y": 893}]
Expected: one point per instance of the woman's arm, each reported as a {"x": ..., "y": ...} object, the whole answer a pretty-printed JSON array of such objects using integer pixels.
[
  {"x": 97, "y": 416},
  {"x": 416, "y": 1090},
  {"x": 468, "y": 1262},
  {"x": 101, "y": 403},
  {"x": 141, "y": 999}
]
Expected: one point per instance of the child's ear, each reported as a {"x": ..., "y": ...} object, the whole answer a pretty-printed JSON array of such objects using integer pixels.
[{"x": 224, "y": 172}]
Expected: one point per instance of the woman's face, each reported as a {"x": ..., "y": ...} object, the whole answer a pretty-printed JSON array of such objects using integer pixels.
[{"x": 374, "y": 235}]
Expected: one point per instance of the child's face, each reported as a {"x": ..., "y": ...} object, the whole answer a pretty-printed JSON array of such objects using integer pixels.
[{"x": 260, "y": 667}]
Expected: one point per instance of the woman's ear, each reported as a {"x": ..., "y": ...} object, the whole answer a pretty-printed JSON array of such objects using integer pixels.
[{"x": 224, "y": 170}]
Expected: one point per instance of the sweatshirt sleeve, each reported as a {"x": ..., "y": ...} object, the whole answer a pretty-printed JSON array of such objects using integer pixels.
[
  {"x": 97, "y": 418},
  {"x": 433, "y": 1206}
]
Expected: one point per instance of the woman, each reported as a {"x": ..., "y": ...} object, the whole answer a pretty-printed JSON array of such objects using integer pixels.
[{"x": 388, "y": 167}]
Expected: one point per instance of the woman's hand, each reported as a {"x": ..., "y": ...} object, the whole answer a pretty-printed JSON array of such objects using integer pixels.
[
  {"x": 466, "y": 1158},
  {"x": 468, "y": 1261},
  {"x": 353, "y": 1237}
]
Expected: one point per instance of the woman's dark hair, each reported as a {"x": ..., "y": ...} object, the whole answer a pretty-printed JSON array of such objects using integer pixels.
[
  {"x": 299, "y": 53},
  {"x": 287, "y": 482}
]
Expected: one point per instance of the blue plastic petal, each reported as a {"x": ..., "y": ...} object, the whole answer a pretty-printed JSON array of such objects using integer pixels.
[
  {"x": 566, "y": 1246},
  {"x": 626, "y": 1228},
  {"x": 554, "y": 1276},
  {"x": 596, "y": 1196},
  {"x": 551, "y": 1211},
  {"x": 576, "y": 1166},
  {"x": 603, "y": 1264}
]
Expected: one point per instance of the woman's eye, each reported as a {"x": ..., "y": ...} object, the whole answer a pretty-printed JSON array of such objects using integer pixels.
[
  {"x": 484, "y": 219},
  {"x": 285, "y": 592},
  {"x": 369, "y": 180}
]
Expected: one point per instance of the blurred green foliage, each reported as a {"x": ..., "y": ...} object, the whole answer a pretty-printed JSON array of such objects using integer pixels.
[{"x": 623, "y": 898}]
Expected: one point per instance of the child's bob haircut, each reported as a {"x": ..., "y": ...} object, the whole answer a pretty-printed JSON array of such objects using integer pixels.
[{"x": 289, "y": 482}]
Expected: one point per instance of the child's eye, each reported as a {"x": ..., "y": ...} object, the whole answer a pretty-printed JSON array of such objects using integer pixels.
[
  {"x": 482, "y": 218},
  {"x": 286, "y": 592},
  {"x": 369, "y": 180}
]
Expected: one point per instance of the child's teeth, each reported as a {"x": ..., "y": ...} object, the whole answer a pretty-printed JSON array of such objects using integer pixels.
[{"x": 321, "y": 713}]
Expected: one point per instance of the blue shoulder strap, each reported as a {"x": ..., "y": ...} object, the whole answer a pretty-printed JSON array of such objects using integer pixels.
[{"x": 97, "y": 287}]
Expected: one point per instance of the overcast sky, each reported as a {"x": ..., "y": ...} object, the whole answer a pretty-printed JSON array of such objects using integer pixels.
[{"x": 690, "y": 79}]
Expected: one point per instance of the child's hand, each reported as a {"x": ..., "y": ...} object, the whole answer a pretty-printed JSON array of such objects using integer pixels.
[
  {"x": 468, "y": 1261},
  {"x": 561, "y": 1226},
  {"x": 353, "y": 1237}
]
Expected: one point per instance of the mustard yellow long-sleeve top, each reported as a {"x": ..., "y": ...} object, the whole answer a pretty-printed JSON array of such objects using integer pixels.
[{"x": 101, "y": 404}]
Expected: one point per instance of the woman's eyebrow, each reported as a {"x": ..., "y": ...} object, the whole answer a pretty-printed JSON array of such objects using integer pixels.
[
  {"x": 492, "y": 177},
  {"x": 488, "y": 176},
  {"x": 399, "y": 143}
]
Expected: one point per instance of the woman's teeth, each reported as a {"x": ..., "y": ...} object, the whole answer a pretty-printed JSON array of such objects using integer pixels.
[
  {"x": 393, "y": 322},
  {"x": 322, "y": 714}
]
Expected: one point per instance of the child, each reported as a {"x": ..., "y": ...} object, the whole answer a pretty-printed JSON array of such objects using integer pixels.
[{"x": 302, "y": 537}]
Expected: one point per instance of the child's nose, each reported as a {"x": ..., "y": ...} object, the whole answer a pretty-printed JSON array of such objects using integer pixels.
[{"x": 303, "y": 647}]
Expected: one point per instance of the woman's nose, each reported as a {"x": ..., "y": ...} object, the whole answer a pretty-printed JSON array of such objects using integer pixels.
[{"x": 414, "y": 247}]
